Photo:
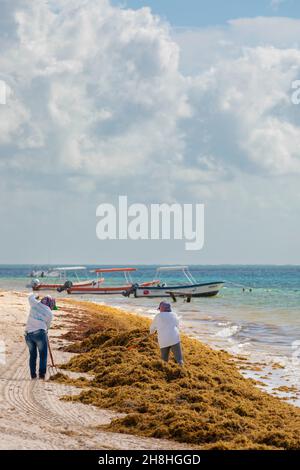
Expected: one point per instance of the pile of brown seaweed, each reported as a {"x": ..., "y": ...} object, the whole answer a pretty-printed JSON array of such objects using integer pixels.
[{"x": 208, "y": 403}]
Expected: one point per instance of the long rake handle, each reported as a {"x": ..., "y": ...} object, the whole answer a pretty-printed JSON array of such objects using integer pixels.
[{"x": 50, "y": 353}]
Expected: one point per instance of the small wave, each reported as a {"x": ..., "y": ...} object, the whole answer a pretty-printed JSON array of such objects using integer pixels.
[
  {"x": 228, "y": 331},
  {"x": 239, "y": 348}
]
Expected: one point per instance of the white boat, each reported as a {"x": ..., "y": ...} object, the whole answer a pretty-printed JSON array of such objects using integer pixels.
[
  {"x": 62, "y": 278},
  {"x": 189, "y": 288}
]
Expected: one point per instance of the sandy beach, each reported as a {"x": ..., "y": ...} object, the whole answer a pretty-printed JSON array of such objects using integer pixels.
[
  {"x": 128, "y": 398},
  {"x": 32, "y": 416}
]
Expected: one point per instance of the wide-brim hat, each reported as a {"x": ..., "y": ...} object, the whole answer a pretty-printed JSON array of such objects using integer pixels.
[{"x": 164, "y": 307}]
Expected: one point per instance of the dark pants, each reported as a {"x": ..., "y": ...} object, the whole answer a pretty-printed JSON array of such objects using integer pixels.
[
  {"x": 176, "y": 349},
  {"x": 37, "y": 341}
]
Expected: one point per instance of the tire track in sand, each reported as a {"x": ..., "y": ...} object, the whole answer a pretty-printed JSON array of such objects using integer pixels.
[
  {"x": 36, "y": 406},
  {"x": 39, "y": 402},
  {"x": 29, "y": 396}
]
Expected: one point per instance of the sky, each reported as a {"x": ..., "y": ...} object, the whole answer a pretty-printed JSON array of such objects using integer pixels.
[
  {"x": 161, "y": 101},
  {"x": 201, "y": 13}
]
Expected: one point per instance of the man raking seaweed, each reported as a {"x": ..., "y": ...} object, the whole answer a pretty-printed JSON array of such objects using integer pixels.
[
  {"x": 166, "y": 323},
  {"x": 36, "y": 337}
]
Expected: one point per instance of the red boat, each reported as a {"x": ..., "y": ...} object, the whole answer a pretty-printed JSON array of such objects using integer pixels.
[{"x": 101, "y": 288}]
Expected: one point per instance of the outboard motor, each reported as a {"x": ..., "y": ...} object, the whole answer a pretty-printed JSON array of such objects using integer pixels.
[
  {"x": 67, "y": 285},
  {"x": 35, "y": 283},
  {"x": 130, "y": 291}
]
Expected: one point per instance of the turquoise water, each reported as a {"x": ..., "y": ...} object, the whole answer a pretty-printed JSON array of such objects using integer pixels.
[
  {"x": 262, "y": 324},
  {"x": 274, "y": 287},
  {"x": 269, "y": 314}
]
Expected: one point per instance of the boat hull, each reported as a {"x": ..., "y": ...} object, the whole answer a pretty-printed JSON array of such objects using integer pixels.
[
  {"x": 59, "y": 285},
  {"x": 103, "y": 290},
  {"x": 207, "y": 289},
  {"x": 98, "y": 290}
]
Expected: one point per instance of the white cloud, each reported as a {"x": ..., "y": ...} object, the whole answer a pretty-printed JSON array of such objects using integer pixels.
[
  {"x": 102, "y": 93},
  {"x": 242, "y": 98},
  {"x": 100, "y": 87},
  {"x": 202, "y": 47},
  {"x": 98, "y": 91},
  {"x": 105, "y": 100}
]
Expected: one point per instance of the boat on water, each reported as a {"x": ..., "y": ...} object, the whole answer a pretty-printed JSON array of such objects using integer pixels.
[
  {"x": 100, "y": 286},
  {"x": 61, "y": 278},
  {"x": 188, "y": 288},
  {"x": 37, "y": 273}
]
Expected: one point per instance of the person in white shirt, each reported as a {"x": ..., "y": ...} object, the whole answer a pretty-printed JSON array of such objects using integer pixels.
[
  {"x": 38, "y": 323},
  {"x": 166, "y": 323}
]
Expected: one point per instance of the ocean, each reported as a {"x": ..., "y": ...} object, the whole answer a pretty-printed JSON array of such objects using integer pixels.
[{"x": 256, "y": 314}]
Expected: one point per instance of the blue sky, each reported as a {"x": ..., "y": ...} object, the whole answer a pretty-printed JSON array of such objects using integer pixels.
[
  {"x": 196, "y": 108},
  {"x": 196, "y": 13}
]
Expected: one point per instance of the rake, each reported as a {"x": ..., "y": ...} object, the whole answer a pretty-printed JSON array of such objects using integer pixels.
[{"x": 52, "y": 367}]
